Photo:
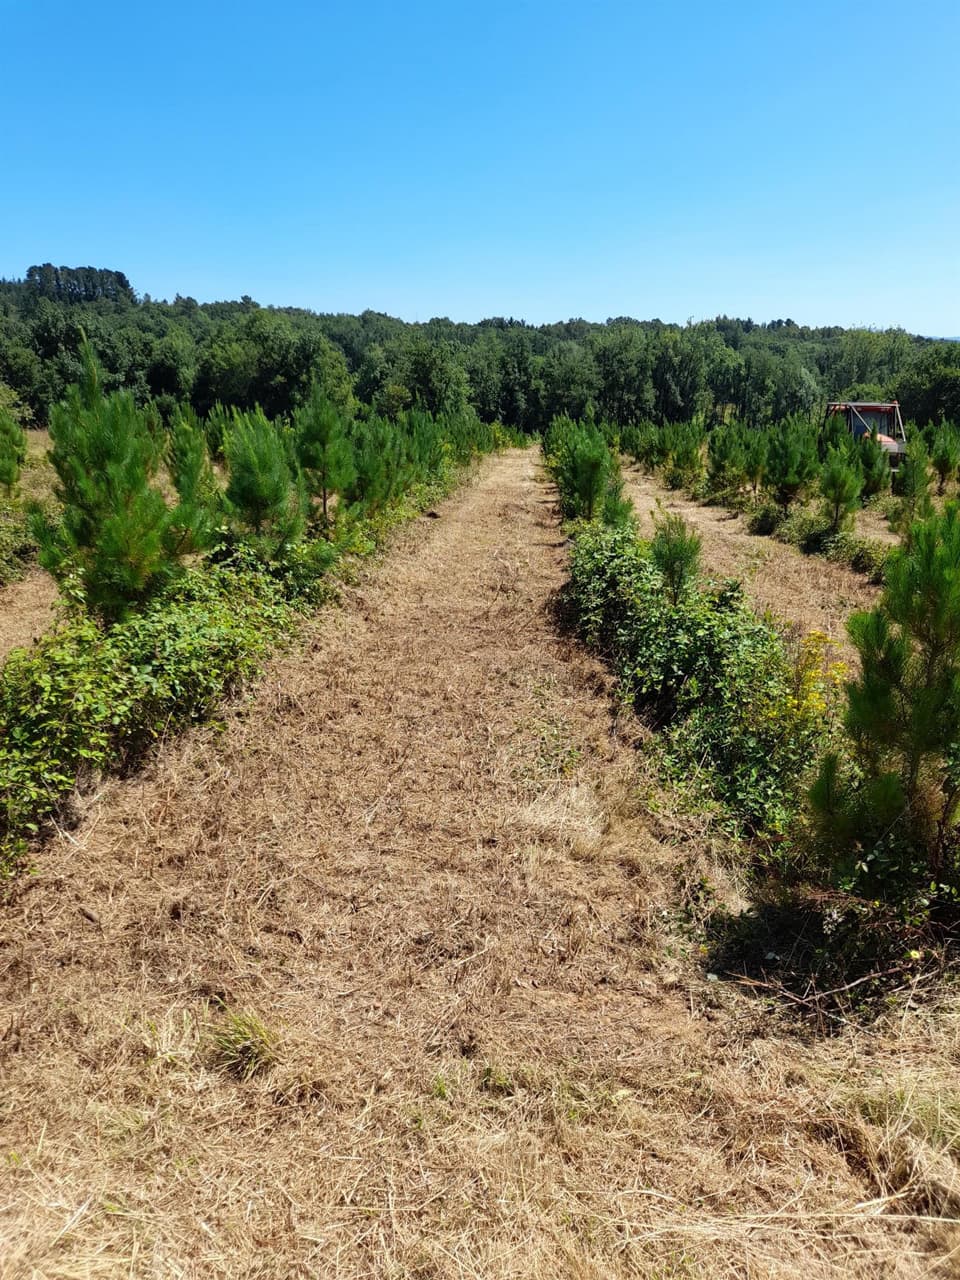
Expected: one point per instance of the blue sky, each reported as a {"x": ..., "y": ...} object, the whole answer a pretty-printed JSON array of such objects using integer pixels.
[{"x": 524, "y": 158}]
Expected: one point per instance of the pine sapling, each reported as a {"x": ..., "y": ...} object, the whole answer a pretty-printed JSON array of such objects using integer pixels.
[
  {"x": 323, "y": 449},
  {"x": 117, "y": 542},
  {"x": 13, "y": 451},
  {"x": 945, "y": 455},
  {"x": 264, "y": 493},
  {"x": 841, "y": 484},
  {"x": 675, "y": 550}
]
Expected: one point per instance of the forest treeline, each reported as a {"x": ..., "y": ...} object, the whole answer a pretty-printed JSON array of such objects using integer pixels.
[{"x": 185, "y": 353}]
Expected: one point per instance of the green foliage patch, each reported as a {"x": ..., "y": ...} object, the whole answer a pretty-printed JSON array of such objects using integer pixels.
[
  {"x": 740, "y": 714},
  {"x": 84, "y": 700}
]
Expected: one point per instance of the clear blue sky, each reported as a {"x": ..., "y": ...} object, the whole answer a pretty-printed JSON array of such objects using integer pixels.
[{"x": 518, "y": 157}]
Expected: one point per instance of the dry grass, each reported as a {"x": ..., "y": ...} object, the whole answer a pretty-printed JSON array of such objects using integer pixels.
[
  {"x": 27, "y": 610},
  {"x": 423, "y": 856},
  {"x": 808, "y": 592}
]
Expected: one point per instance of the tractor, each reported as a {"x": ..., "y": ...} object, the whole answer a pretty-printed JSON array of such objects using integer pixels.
[{"x": 882, "y": 421}]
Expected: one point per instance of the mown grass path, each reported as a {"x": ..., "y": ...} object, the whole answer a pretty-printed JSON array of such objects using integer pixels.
[{"x": 417, "y": 853}]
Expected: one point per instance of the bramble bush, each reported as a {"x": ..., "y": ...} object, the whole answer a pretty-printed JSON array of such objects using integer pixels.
[
  {"x": 85, "y": 700},
  {"x": 739, "y": 712}
]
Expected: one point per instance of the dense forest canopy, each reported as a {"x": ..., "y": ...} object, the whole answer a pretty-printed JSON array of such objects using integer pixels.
[{"x": 623, "y": 370}]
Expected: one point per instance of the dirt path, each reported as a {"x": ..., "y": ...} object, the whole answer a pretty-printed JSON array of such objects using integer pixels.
[
  {"x": 26, "y": 610},
  {"x": 804, "y": 591},
  {"x": 416, "y": 854}
]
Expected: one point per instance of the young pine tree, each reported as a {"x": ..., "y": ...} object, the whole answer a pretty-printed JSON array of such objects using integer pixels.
[
  {"x": 755, "y": 449},
  {"x": 582, "y": 472},
  {"x": 726, "y": 460},
  {"x": 945, "y": 455},
  {"x": 841, "y": 484},
  {"x": 117, "y": 537},
  {"x": 792, "y": 460},
  {"x": 913, "y": 485},
  {"x": 13, "y": 451},
  {"x": 891, "y": 812},
  {"x": 378, "y": 464},
  {"x": 675, "y": 550},
  {"x": 188, "y": 461},
  {"x": 875, "y": 466},
  {"x": 324, "y": 450},
  {"x": 263, "y": 491}
]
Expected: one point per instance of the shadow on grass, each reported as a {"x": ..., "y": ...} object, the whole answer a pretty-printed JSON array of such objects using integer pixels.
[{"x": 831, "y": 957}]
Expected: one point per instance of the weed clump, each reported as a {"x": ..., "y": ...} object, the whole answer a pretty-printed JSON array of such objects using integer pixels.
[{"x": 243, "y": 1045}]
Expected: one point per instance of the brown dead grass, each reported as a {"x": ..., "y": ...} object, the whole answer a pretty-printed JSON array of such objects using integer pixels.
[
  {"x": 417, "y": 856},
  {"x": 806, "y": 592},
  {"x": 27, "y": 610}
]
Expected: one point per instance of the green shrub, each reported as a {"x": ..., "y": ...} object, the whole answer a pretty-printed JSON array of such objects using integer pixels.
[
  {"x": 739, "y": 714},
  {"x": 17, "y": 544},
  {"x": 865, "y": 555},
  {"x": 84, "y": 700}
]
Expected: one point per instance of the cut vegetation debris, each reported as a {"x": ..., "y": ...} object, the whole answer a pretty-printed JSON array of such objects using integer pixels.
[{"x": 464, "y": 1027}]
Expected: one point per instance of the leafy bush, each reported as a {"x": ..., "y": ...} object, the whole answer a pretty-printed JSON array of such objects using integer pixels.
[
  {"x": 84, "y": 700},
  {"x": 739, "y": 713},
  {"x": 17, "y": 544},
  {"x": 865, "y": 555}
]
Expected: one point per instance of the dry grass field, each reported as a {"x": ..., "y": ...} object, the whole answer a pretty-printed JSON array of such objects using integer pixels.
[{"x": 386, "y": 976}]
